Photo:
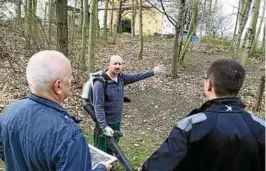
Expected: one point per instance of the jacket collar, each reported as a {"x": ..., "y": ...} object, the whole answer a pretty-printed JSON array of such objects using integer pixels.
[
  {"x": 51, "y": 104},
  {"x": 223, "y": 105}
]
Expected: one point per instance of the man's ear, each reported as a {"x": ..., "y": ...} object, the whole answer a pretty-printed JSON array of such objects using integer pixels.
[
  {"x": 209, "y": 85},
  {"x": 57, "y": 86}
]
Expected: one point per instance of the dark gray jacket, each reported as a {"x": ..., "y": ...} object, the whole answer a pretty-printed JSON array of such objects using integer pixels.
[{"x": 108, "y": 107}]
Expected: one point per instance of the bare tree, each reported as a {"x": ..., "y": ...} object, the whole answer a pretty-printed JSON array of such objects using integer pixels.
[
  {"x": 243, "y": 17},
  {"x": 82, "y": 63},
  {"x": 140, "y": 31},
  {"x": 28, "y": 23},
  {"x": 92, "y": 35},
  {"x": 62, "y": 26},
  {"x": 133, "y": 17},
  {"x": 105, "y": 19},
  {"x": 252, "y": 32},
  {"x": 18, "y": 9},
  {"x": 177, "y": 19},
  {"x": 255, "y": 42}
]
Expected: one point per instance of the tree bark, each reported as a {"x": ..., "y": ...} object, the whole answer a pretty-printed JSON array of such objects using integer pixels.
[
  {"x": 119, "y": 15},
  {"x": 263, "y": 47},
  {"x": 28, "y": 23},
  {"x": 254, "y": 21},
  {"x": 140, "y": 31},
  {"x": 82, "y": 63},
  {"x": 112, "y": 18},
  {"x": 62, "y": 26},
  {"x": 178, "y": 37},
  {"x": 18, "y": 9},
  {"x": 73, "y": 28},
  {"x": 81, "y": 15},
  {"x": 105, "y": 20},
  {"x": 92, "y": 36},
  {"x": 256, "y": 39},
  {"x": 260, "y": 93},
  {"x": 34, "y": 23},
  {"x": 243, "y": 17},
  {"x": 192, "y": 29},
  {"x": 50, "y": 14},
  {"x": 133, "y": 17}
]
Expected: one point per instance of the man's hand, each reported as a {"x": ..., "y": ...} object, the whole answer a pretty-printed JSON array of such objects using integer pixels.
[
  {"x": 159, "y": 69},
  {"x": 108, "y": 131},
  {"x": 107, "y": 166}
]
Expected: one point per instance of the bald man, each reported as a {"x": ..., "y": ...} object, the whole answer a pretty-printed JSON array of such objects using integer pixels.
[
  {"x": 37, "y": 133},
  {"x": 108, "y": 102}
]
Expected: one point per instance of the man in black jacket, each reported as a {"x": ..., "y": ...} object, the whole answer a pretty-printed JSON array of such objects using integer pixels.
[{"x": 219, "y": 136}]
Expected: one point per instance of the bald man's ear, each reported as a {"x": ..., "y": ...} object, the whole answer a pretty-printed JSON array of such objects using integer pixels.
[{"x": 57, "y": 86}]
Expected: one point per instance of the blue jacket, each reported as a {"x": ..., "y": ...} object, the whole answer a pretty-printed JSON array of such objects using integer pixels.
[
  {"x": 220, "y": 136},
  {"x": 37, "y": 134},
  {"x": 109, "y": 111}
]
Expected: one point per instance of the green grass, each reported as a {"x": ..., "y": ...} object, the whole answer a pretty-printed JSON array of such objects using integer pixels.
[
  {"x": 215, "y": 41},
  {"x": 135, "y": 148}
]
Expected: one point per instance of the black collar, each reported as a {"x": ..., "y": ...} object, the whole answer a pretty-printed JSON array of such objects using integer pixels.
[{"x": 212, "y": 104}]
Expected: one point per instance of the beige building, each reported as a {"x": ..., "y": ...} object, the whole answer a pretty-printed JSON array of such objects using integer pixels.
[{"x": 153, "y": 21}]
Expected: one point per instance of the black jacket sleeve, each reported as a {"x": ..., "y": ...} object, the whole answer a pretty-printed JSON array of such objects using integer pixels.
[{"x": 170, "y": 153}]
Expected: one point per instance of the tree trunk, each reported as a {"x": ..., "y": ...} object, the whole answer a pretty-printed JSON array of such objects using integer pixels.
[
  {"x": 82, "y": 63},
  {"x": 263, "y": 47},
  {"x": 254, "y": 21},
  {"x": 50, "y": 8},
  {"x": 34, "y": 23},
  {"x": 243, "y": 17},
  {"x": 233, "y": 45},
  {"x": 28, "y": 24},
  {"x": 192, "y": 29},
  {"x": 105, "y": 20},
  {"x": 119, "y": 15},
  {"x": 18, "y": 9},
  {"x": 213, "y": 16},
  {"x": 62, "y": 26},
  {"x": 97, "y": 23},
  {"x": 209, "y": 24},
  {"x": 203, "y": 18},
  {"x": 260, "y": 93},
  {"x": 118, "y": 18},
  {"x": 112, "y": 18},
  {"x": 140, "y": 31},
  {"x": 178, "y": 29},
  {"x": 256, "y": 39},
  {"x": 81, "y": 15},
  {"x": 92, "y": 36},
  {"x": 73, "y": 28},
  {"x": 133, "y": 17},
  {"x": 247, "y": 47}
]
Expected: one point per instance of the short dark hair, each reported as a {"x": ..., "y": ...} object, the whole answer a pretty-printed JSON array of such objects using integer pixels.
[{"x": 227, "y": 76}]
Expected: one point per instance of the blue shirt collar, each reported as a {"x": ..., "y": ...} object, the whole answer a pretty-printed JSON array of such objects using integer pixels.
[{"x": 48, "y": 103}]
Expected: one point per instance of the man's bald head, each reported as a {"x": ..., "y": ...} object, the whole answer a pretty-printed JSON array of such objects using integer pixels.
[
  {"x": 44, "y": 68},
  {"x": 116, "y": 58}
]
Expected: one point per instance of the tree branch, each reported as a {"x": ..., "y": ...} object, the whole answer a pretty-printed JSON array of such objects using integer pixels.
[{"x": 171, "y": 19}]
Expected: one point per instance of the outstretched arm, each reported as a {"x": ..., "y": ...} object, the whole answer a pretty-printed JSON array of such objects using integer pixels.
[
  {"x": 131, "y": 78},
  {"x": 134, "y": 77}
]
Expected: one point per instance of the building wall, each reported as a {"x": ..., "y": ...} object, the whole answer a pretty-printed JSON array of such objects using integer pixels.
[{"x": 152, "y": 21}]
